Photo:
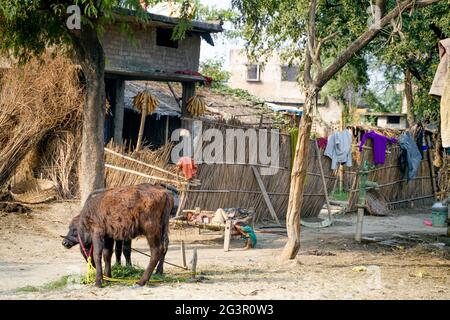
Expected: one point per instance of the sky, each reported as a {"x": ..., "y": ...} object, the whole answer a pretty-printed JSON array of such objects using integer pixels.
[{"x": 222, "y": 46}]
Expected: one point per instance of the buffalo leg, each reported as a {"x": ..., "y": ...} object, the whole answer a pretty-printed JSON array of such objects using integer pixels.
[
  {"x": 98, "y": 243},
  {"x": 118, "y": 251},
  {"x": 155, "y": 251},
  {"x": 107, "y": 254},
  {"x": 127, "y": 251},
  {"x": 160, "y": 267}
]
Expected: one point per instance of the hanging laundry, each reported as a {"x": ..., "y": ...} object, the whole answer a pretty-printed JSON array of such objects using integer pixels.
[
  {"x": 379, "y": 145},
  {"x": 441, "y": 88},
  {"x": 410, "y": 156},
  {"x": 322, "y": 142},
  {"x": 339, "y": 147},
  {"x": 188, "y": 166}
]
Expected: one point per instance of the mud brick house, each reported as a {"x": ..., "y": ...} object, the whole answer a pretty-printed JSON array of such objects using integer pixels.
[{"x": 149, "y": 53}]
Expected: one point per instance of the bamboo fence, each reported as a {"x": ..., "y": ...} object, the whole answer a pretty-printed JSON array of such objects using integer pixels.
[
  {"x": 231, "y": 185},
  {"x": 396, "y": 191}
]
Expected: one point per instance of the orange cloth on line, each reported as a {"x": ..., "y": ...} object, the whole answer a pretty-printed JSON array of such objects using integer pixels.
[{"x": 188, "y": 166}]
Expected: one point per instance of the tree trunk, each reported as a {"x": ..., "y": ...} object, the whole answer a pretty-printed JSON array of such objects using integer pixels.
[
  {"x": 409, "y": 98},
  {"x": 90, "y": 55},
  {"x": 298, "y": 176}
]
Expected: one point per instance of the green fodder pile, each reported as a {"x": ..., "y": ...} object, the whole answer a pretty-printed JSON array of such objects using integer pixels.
[{"x": 36, "y": 99}]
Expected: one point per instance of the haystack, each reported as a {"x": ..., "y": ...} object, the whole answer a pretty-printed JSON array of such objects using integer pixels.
[{"x": 37, "y": 99}]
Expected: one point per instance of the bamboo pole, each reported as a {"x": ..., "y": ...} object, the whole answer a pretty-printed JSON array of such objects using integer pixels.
[
  {"x": 141, "y": 162},
  {"x": 145, "y": 175},
  {"x": 141, "y": 128}
]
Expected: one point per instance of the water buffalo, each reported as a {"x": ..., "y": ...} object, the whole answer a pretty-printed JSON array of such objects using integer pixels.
[
  {"x": 123, "y": 213},
  {"x": 121, "y": 246}
]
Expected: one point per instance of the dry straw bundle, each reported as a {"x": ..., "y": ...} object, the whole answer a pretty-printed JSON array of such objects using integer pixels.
[
  {"x": 159, "y": 158},
  {"x": 35, "y": 99}
]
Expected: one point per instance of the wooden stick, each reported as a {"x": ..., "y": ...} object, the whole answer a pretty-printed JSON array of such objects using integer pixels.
[
  {"x": 430, "y": 164},
  {"x": 141, "y": 162},
  {"x": 323, "y": 180},
  {"x": 183, "y": 254},
  {"x": 144, "y": 175},
  {"x": 174, "y": 95},
  {"x": 194, "y": 263},
  {"x": 265, "y": 195},
  {"x": 227, "y": 236}
]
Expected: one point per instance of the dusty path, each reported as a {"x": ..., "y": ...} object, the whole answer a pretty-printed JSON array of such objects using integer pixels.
[{"x": 31, "y": 255}]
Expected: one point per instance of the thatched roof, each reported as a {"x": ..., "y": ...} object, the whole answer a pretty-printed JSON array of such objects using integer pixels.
[{"x": 221, "y": 105}]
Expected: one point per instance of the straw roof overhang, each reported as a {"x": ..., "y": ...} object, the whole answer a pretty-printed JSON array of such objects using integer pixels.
[{"x": 167, "y": 104}]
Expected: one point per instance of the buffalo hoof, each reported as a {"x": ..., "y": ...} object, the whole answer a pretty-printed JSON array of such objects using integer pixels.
[
  {"x": 98, "y": 284},
  {"x": 141, "y": 283}
]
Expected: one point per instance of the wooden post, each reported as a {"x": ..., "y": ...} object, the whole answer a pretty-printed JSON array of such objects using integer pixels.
[
  {"x": 359, "y": 224},
  {"x": 188, "y": 91},
  {"x": 432, "y": 173},
  {"x": 265, "y": 195},
  {"x": 194, "y": 263},
  {"x": 361, "y": 200},
  {"x": 323, "y": 179},
  {"x": 119, "y": 107},
  {"x": 166, "y": 135},
  {"x": 227, "y": 236},
  {"x": 183, "y": 254}
]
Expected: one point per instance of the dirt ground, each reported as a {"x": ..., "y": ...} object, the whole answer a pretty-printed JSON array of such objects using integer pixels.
[{"x": 330, "y": 265}]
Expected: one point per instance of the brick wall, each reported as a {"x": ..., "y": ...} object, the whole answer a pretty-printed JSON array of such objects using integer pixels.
[{"x": 144, "y": 54}]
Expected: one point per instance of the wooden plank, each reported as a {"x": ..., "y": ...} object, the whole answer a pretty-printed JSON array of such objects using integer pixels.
[{"x": 265, "y": 195}]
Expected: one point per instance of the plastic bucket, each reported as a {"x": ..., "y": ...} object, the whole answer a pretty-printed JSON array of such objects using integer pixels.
[{"x": 439, "y": 219}]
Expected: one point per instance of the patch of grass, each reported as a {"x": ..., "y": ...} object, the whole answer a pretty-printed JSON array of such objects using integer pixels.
[
  {"x": 28, "y": 289},
  {"x": 339, "y": 196},
  {"x": 53, "y": 285},
  {"x": 126, "y": 272}
]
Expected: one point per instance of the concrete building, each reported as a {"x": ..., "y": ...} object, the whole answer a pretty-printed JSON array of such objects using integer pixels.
[
  {"x": 387, "y": 120},
  {"x": 276, "y": 83}
]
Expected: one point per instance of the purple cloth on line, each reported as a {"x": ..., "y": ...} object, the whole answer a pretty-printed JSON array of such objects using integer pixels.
[{"x": 379, "y": 145}]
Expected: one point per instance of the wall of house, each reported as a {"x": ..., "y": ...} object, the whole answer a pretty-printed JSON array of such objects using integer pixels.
[
  {"x": 329, "y": 117},
  {"x": 270, "y": 87},
  {"x": 145, "y": 55},
  {"x": 382, "y": 122}
]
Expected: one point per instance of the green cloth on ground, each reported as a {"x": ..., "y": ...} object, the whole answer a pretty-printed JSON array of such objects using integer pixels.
[{"x": 251, "y": 234}]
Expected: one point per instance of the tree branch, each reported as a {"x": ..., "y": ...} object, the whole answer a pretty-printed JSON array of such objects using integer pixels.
[
  {"x": 312, "y": 36},
  {"x": 366, "y": 37}
]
